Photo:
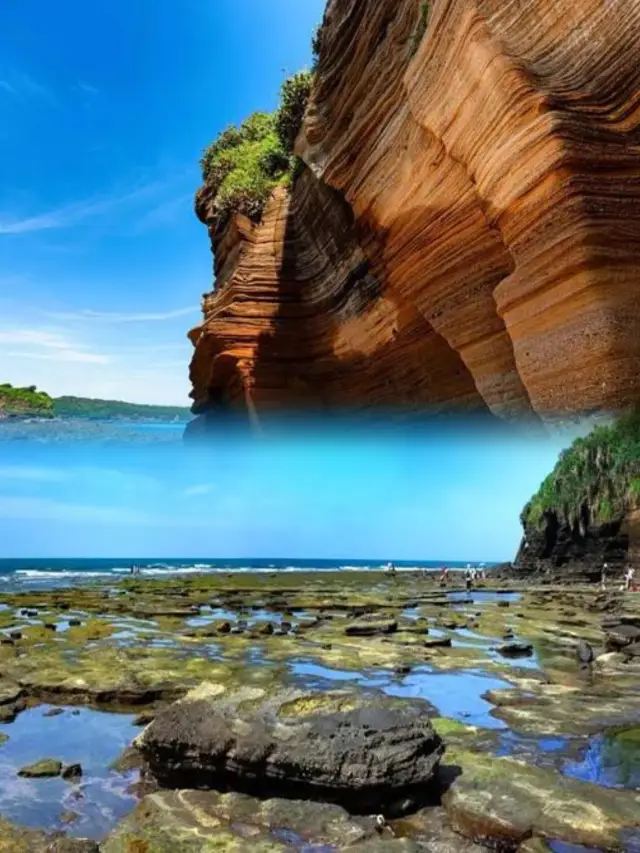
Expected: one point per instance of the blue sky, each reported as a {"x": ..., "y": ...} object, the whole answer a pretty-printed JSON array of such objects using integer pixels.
[
  {"x": 104, "y": 111},
  {"x": 435, "y": 497}
]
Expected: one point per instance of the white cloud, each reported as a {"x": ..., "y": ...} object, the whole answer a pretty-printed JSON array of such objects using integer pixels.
[
  {"x": 64, "y": 362},
  {"x": 201, "y": 489},
  {"x": 45, "y": 509},
  {"x": 23, "y": 87},
  {"x": 71, "y": 214},
  {"x": 34, "y": 337},
  {"x": 48, "y": 345},
  {"x": 118, "y": 317},
  {"x": 164, "y": 214},
  {"x": 17, "y": 508},
  {"x": 62, "y": 355},
  {"x": 87, "y": 88}
]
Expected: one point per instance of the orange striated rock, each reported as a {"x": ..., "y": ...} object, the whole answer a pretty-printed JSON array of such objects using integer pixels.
[{"x": 467, "y": 234}]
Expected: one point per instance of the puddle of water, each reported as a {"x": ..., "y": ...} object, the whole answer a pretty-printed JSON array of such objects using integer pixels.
[
  {"x": 542, "y": 751},
  {"x": 611, "y": 760},
  {"x": 564, "y": 847},
  {"x": 479, "y": 596},
  {"x": 297, "y": 842},
  {"x": 454, "y": 694},
  {"x": 93, "y": 739},
  {"x": 211, "y": 614}
]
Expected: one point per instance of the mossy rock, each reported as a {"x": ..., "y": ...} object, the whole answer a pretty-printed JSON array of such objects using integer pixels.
[
  {"x": 208, "y": 822},
  {"x": 504, "y": 801},
  {"x": 40, "y": 769},
  {"x": 15, "y": 839}
]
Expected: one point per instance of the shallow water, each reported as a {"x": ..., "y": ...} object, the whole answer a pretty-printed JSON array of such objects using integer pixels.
[
  {"x": 479, "y": 596},
  {"x": 454, "y": 694},
  {"x": 298, "y": 844},
  {"x": 91, "y": 738},
  {"x": 611, "y": 760}
]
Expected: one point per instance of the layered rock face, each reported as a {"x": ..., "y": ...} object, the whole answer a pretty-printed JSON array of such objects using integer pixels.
[
  {"x": 334, "y": 747},
  {"x": 299, "y": 317},
  {"x": 467, "y": 233}
]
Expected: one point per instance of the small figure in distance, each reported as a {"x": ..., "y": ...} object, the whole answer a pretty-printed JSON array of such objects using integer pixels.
[
  {"x": 628, "y": 578},
  {"x": 603, "y": 582}
]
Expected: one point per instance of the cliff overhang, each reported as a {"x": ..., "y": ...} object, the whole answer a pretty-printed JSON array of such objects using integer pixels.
[{"x": 465, "y": 233}]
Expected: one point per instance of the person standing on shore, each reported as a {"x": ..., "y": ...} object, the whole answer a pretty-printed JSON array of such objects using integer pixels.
[
  {"x": 604, "y": 577},
  {"x": 628, "y": 578}
]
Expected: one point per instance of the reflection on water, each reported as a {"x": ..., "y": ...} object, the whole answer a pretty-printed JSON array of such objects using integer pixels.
[
  {"x": 479, "y": 596},
  {"x": 457, "y": 694},
  {"x": 82, "y": 736},
  {"x": 611, "y": 760}
]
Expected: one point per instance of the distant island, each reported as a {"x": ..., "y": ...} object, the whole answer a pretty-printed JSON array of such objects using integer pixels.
[{"x": 30, "y": 403}]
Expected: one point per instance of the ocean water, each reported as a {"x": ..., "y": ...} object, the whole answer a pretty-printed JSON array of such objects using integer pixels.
[
  {"x": 84, "y": 430},
  {"x": 44, "y": 573}
]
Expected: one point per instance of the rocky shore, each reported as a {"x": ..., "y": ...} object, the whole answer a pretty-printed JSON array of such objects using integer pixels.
[{"x": 319, "y": 712}]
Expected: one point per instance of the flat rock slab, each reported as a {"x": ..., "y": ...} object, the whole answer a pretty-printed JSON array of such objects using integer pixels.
[
  {"x": 370, "y": 627},
  {"x": 504, "y": 801},
  {"x": 337, "y": 746},
  {"x": 208, "y": 822}
]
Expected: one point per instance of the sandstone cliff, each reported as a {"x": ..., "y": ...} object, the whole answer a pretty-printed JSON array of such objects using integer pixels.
[
  {"x": 466, "y": 232},
  {"x": 587, "y": 511}
]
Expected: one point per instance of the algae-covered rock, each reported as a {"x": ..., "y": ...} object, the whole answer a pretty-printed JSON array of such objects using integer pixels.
[
  {"x": 502, "y": 800},
  {"x": 369, "y": 627},
  {"x": 14, "y": 839},
  {"x": 209, "y": 822},
  {"x": 336, "y": 747},
  {"x": 42, "y": 768}
]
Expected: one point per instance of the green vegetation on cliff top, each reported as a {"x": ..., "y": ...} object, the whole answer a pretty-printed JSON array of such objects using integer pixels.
[
  {"x": 29, "y": 401},
  {"x": 24, "y": 401},
  {"x": 595, "y": 480},
  {"x": 245, "y": 164}
]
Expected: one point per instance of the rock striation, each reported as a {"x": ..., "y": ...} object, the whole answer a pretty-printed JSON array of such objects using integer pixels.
[{"x": 466, "y": 232}]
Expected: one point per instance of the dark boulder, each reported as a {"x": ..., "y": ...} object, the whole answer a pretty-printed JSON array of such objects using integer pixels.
[
  {"x": 622, "y": 635},
  {"x": 334, "y": 747},
  {"x": 632, "y": 651},
  {"x": 585, "y": 653},
  {"x": 371, "y": 627},
  {"x": 72, "y": 772},
  {"x": 437, "y": 643},
  {"x": 515, "y": 649}
]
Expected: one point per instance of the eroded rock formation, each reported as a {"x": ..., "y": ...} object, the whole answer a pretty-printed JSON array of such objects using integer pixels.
[
  {"x": 467, "y": 232},
  {"x": 335, "y": 747}
]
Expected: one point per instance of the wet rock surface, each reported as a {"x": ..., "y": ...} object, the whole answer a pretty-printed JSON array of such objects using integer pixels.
[
  {"x": 15, "y": 839},
  {"x": 569, "y": 718},
  {"x": 503, "y": 800},
  {"x": 338, "y": 747}
]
